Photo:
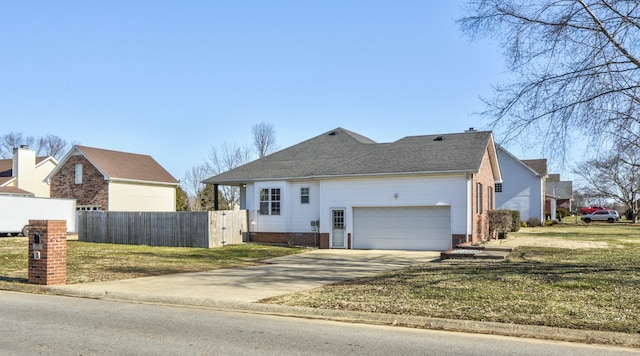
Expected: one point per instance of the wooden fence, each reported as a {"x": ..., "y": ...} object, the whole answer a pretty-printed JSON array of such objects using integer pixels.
[{"x": 181, "y": 229}]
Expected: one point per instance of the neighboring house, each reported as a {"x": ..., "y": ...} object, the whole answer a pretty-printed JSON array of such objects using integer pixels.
[
  {"x": 343, "y": 190},
  {"x": 102, "y": 179},
  {"x": 524, "y": 185},
  {"x": 559, "y": 195},
  {"x": 24, "y": 174}
]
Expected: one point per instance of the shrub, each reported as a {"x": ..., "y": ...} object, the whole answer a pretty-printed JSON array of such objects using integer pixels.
[
  {"x": 562, "y": 213},
  {"x": 533, "y": 221},
  {"x": 500, "y": 223},
  {"x": 515, "y": 220}
]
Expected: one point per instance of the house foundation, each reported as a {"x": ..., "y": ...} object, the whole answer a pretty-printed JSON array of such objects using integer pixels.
[{"x": 310, "y": 239}]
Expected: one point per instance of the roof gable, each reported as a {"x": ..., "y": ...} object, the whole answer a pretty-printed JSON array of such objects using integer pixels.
[
  {"x": 341, "y": 152},
  {"x": 116, "y": 165},
  {"x": 537, "y": 167}
]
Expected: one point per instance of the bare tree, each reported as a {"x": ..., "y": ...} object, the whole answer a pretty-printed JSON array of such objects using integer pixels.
[
  {"x": 13, "y": 140},
  {"x": 52, "y": 145},
  {"x": 49, "y": 145},
  {"x": 193, "y": 186},
  {"x": 264, "y": 138},
  {"x": 576, "y": 66},
  {"x": 222, "y": 159},
  {"x": 615, "y": 176}
]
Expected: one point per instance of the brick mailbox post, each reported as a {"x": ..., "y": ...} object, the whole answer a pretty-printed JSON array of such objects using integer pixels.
[{"x": 47, "y": 252}]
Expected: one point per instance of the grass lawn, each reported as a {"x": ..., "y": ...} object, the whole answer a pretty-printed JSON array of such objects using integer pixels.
[
  {"x": 579, "y": 288},
  {"x": 93, "y": 262}
]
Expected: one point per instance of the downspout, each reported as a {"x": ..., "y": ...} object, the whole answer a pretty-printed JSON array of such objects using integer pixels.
[
  {"x": 215, "y": 197},
  {"x": 469, "y": 205}
]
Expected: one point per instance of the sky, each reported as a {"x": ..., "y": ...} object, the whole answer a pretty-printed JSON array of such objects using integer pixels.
[{"x": 172, "y": 79}]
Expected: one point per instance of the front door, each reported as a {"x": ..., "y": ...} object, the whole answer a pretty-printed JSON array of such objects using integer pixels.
[{"x": 337, "y": 232}]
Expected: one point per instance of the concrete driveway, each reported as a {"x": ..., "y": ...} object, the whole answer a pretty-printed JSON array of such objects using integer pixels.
[{"x": 274, "y": 277}]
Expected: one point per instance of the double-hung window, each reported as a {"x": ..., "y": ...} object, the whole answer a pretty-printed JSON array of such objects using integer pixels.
[
  {"x": 304, "y": 195},
  {"x": 270, "y": 201},
  {"x": 78, "y": 173},
  {"x": 478, "y": 198}
]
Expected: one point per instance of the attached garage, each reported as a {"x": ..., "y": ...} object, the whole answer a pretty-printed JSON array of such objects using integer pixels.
[{"x": 402, "y": 228}]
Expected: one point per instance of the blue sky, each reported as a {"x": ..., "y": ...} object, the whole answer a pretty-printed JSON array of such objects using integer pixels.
[{"x": 174, "y": 78}]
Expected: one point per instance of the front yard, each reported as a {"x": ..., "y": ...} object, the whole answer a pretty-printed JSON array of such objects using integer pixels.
[
  {"x": 571, "y": 275},
  {"x": 592, "y": 282},
  {"x": 95, "y": 262}
]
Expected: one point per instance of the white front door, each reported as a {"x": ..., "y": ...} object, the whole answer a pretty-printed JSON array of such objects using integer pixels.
[{"x": 337, "y": 231}]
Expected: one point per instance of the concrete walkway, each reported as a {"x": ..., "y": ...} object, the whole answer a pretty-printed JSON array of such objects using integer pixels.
[{"x": 274, "y": 277}]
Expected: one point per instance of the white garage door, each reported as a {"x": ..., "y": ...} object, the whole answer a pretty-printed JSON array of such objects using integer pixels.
[{"x": 402, "y": 228}]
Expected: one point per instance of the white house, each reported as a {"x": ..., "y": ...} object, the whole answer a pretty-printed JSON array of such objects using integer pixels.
[
  {"x": 523, "y": 188},
  {"x": 343, "y": 190}
]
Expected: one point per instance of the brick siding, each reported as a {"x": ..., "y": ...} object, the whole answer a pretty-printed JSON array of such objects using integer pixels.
[
  {"x": 94, "y": 190},
  {"x": 480, "y": 230},
  {"x": 51, "y": 267}
]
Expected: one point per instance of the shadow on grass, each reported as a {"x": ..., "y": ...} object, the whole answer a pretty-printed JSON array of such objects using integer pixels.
[{"x": 14, "y": 279}]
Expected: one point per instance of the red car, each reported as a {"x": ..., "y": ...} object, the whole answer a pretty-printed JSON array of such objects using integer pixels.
[{"x": 591, "y": 209}]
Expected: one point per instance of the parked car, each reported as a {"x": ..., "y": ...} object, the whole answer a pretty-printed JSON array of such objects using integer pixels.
[
  {"x": 591, "y": 209},
  {"x": 601, "y": 215}
]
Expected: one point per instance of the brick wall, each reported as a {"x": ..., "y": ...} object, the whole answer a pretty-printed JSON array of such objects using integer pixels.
[
  {"x": 480, "y": 230},
  {"x": 51, "y": 266},
  {"x": 93, "y": 190},
  {"x": 286, "y": 238}
]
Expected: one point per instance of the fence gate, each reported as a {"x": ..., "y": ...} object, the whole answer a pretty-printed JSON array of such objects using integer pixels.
[{"x": 180, "y": 229}]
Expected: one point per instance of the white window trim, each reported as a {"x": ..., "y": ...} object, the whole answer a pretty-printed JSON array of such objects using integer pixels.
[{"x": 78, "y": 173}]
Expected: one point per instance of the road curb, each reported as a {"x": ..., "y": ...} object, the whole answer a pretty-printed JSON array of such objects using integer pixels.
[{"x": 467, "y": 326}]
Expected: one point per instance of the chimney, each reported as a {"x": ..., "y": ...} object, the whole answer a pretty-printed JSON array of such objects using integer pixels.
[{"x": 24, "y": 168}]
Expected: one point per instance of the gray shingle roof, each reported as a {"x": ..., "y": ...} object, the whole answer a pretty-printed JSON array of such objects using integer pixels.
[
  {"x": 561, "y": 190},
  {"x": 341, "y": 152},
  {"x": 537, "y": 165}
]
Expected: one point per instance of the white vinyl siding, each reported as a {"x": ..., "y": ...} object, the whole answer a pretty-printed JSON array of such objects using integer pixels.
[
  {"x": 522, "y": 189},
  {"x": 432, "y": 191}
]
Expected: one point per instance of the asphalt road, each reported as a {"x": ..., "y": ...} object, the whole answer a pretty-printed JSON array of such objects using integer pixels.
[{"x": 50, "y": 325}]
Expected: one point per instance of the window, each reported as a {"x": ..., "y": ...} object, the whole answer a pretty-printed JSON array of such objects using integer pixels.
[
  {"x": 78, "y": 173},
  {"x": 490, "y": 198},
  {"x": 304, "y": 195},
  {"x": 478, "y": 198},
  {"x": 498, "y": 187},
  {"x": 270, "y": 201},
  {"x": 275, "y": 201}
]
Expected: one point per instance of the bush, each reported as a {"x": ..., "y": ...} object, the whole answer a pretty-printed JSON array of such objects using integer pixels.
[
  {"x": 533, "y": 221},
  {"x": 515, "y": 220},
  {"x": 562, "y": 213},
  {"x": 500, "y": 223},
  {"x": 550, "y": 222}
]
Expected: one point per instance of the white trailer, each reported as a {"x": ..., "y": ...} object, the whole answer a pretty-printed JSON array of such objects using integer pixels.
[{"x": 15, "y": 212}]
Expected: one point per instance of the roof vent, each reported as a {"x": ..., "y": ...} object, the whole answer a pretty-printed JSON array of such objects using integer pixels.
[
  {"x": 24, "y": 146},
  {"x": 471, "y": 129},
  {"x": 438, "y": 138},
  {"x": 332, "y": 133}
]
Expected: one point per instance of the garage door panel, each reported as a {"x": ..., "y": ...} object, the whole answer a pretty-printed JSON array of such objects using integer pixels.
[{"x": 402, "y": 228}]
